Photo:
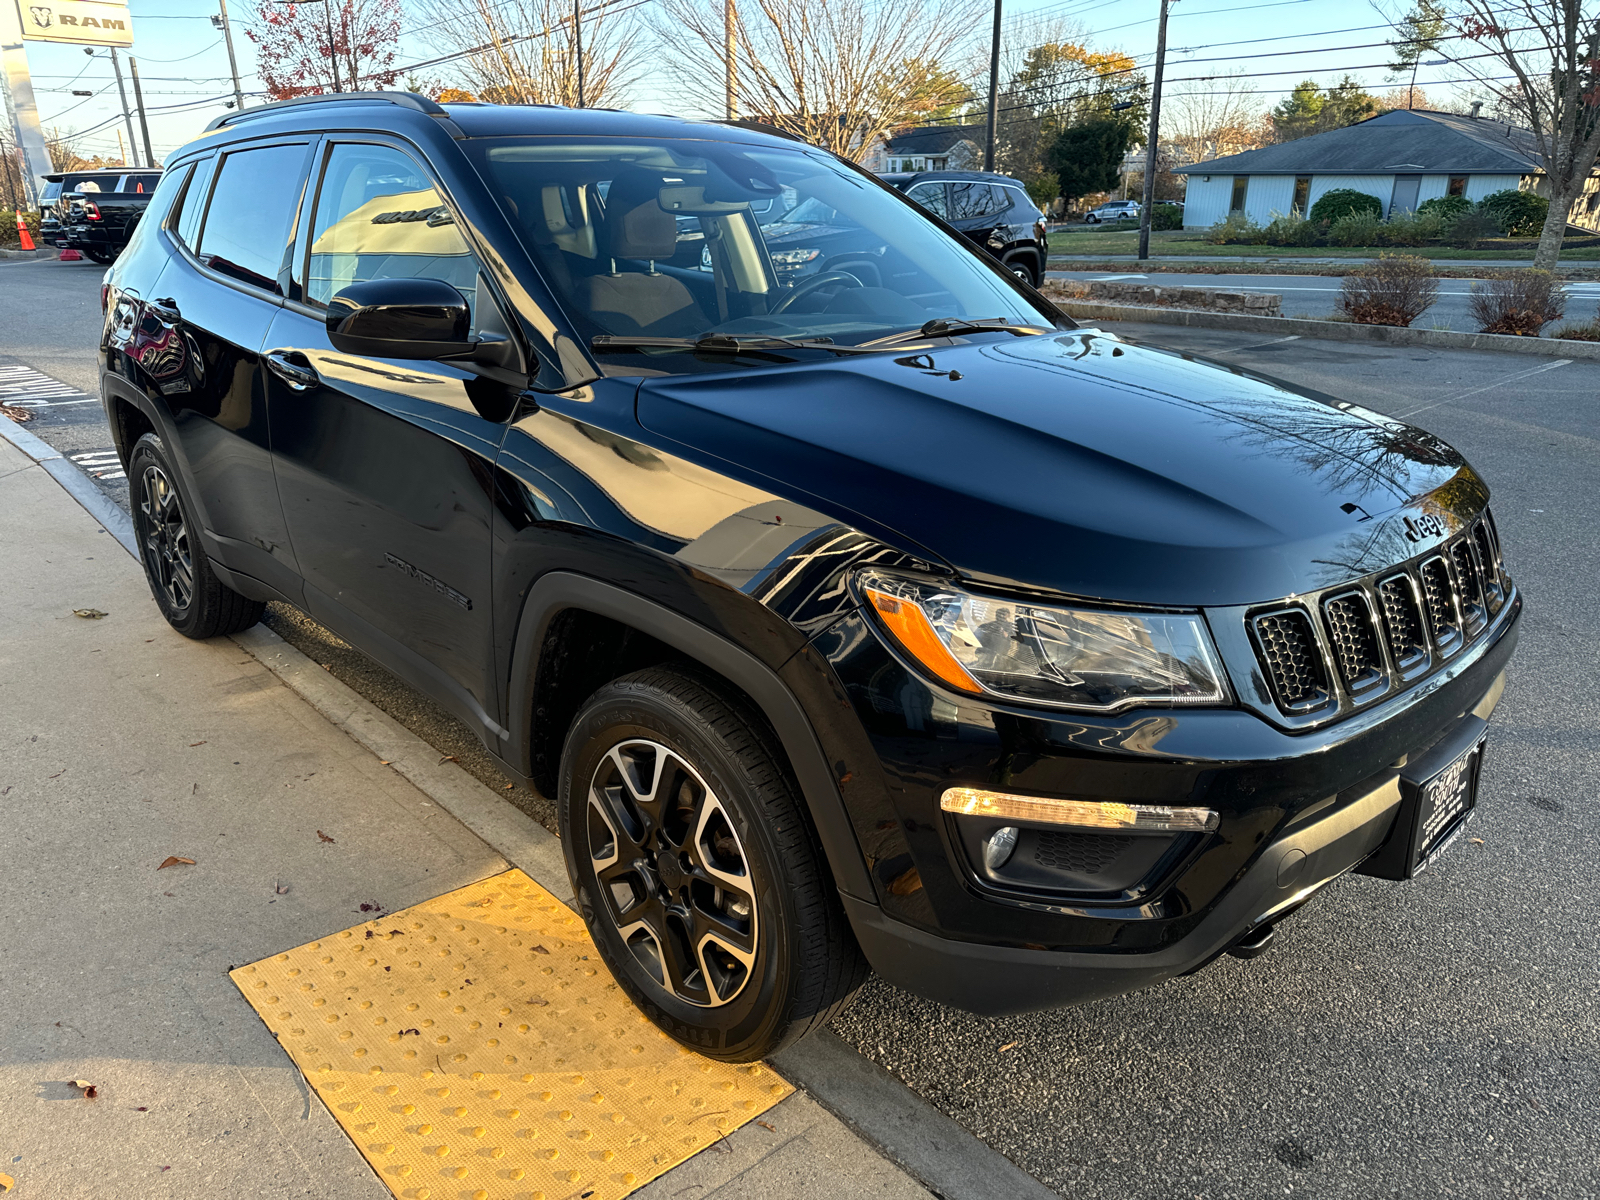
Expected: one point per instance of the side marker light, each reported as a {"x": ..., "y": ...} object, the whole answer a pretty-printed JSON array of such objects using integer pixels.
[{"x": 910, "y": 627}]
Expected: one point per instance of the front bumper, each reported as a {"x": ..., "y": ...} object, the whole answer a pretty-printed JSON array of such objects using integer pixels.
[{"x": 1298, "y": 810}]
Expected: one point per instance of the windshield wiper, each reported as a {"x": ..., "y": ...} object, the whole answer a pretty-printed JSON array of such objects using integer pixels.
[
  {"x": 721, "y": 343},
  {"x": 947, "y": 326}
]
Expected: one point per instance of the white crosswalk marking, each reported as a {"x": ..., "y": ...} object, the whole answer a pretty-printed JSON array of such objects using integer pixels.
[
  {"x": 102, "y": 464},
  {"x": 26, "y": 388}
]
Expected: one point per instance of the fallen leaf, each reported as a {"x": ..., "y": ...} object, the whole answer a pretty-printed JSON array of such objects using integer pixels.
[
  {"x": 449, "y": 758},
  {"x": 166, "y": 893},
  {"x": 373, "y": 906},
  {"x": 535, "y": 1000},
  {"x": 281, "y": 888},
  {"x": 172, "y": 860},
  {"x": 1008, "y": 1046},
  {"x": 540, "y": 950},
  {"x": 142, "y": 1108},
  {"x": 323, "y": 837},
  {"x": 509, "y": 786},
  {"x": 88, "y": 1089},
  {"x": 384, "y": 762},
  {"x": 89, "y": 614},
  {"x": 1476, "y": 841},
  {"x": 192, "y": 745},
  {"x": 765, "y": 1125}
]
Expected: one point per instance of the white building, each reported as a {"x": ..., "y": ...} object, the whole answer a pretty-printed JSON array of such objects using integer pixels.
[{"x": 1401, "y": 157}]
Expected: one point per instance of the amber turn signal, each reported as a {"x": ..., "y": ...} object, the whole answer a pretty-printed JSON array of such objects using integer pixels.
[{"x": 909, "y": 625}]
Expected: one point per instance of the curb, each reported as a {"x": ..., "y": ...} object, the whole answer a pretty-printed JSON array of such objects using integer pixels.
[
  {"x": 888, "y": 1116},
  {"x": 42, "y": 254},
  {"x": 1333, "y": 331}
]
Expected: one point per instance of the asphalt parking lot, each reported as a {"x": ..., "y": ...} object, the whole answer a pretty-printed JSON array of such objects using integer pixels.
[
  {"x": 1315, "y": 295},
  {"x": 1435, "y": 1038}
]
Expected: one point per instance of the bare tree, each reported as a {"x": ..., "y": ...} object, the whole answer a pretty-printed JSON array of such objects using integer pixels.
[
  {"x": 841, "y": 74},
  {"x": 1212, "y": 118},
  {"x": 526, "y": 51},
  {"x": 306, "y": 49},
  {"x": 1553, "y": 50}
]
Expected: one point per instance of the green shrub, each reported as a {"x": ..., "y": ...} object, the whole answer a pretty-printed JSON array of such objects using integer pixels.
[
  {"x": 1235, "y": 229},
  {"x": 1470, "y": 229},
  {"x": 1356, "y": 229},
  {"x": 8, "y": 227},
  {"x": 1520, "y": 214},
  {"x": 1166, "y": 216},
  {"x": 1519, "y": 302},
  {"x": 1394, "y": 290},
  {"x": 1292, "y": 230},
  {"x": 1445, "y": 206},
  {"x": 1410, "y": 229},
  {"x": 1340, "y": 202}
]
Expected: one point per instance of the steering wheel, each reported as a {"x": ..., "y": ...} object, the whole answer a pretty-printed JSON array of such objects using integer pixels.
[{"x": 812, "y": 284}]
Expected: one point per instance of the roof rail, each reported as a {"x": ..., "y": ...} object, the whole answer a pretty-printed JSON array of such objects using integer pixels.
[
  {"x": 759, "y": 127},
  {"x": 405, "y": 99}
]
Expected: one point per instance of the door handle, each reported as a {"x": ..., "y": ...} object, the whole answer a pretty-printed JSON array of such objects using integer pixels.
[
  {"x": 293, "y": 368},
  {"x": 165, "y": 310}
]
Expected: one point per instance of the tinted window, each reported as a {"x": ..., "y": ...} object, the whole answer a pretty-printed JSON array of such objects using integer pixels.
[
  {"x": 971, "y": 200},
  {"x": 380, "y": 217},
  {"x": 193, "y": 204},
  {"x": 164, "y": 194},
  {"x": 140, "y": 183},
  {"x": 931, "y": 196},
  {"x": 51, "y": 193},
  {"x": 251, "y": 213}
]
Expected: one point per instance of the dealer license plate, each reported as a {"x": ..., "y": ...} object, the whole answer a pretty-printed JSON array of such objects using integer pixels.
[{"x": 1446, "y": 799}]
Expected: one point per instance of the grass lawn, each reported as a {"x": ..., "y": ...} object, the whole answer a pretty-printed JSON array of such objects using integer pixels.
[{"x": 1098, "y": 240}]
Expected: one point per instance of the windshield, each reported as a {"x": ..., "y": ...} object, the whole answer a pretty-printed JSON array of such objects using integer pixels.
[{"x": 685, "y": 238}]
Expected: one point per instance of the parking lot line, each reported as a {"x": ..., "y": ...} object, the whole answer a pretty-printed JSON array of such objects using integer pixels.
[
  {"x": 475, "y": 1045},
  {"x": 1488, "y": 387}
]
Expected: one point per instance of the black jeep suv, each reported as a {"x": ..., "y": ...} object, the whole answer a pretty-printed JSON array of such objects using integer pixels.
[
  {"x": 994, "y": 211},
  {"x": 890, "y": 620}
]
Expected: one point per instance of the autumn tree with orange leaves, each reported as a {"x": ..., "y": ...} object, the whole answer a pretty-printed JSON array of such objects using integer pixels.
[{"x": 327, "y": 46}]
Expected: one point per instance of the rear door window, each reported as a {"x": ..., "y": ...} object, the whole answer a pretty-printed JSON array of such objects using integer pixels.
[
  {"x": 932, "y": 197},
  {"x": 380, "y": 217},
  {"x": 969, "y": 201},
  {"x": 252, "y": 210}
]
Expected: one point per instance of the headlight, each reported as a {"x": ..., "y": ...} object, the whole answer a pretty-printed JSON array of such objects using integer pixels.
[
  {"x": 794, "y": 258},
  {"x": 1036, "y": 654}
]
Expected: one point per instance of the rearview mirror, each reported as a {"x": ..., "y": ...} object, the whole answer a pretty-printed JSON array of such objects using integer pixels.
[{"x": 400, "y": 318}]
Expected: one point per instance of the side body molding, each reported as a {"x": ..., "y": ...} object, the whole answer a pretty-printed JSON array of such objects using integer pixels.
[{"x": 559, "y": 590}]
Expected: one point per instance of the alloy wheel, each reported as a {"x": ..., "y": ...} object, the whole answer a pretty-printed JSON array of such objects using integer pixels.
[
  {"x": 673, "y": 875},
  {"x": 166, "y": 538}
]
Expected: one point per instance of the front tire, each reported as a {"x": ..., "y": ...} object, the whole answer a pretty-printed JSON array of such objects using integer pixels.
[
  {"x": 190, "y": 596},
  {"x": 695, "y": 868}
]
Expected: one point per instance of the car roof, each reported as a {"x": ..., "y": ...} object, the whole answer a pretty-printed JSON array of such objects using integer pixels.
[
  {"x": 58, "y": 176},
  {"x": 900, "y": 177}
]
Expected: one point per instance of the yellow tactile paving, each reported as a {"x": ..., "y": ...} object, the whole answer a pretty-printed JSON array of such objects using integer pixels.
[{"x": 476, "y": 1048}]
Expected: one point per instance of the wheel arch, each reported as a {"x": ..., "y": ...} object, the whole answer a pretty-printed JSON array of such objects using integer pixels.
[{"x": 564, "y": 597}]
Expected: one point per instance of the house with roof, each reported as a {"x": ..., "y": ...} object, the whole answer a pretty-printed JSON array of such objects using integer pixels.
[
  {"x": 1401, "y": 157},
  {"x": 929, "y": 148}
]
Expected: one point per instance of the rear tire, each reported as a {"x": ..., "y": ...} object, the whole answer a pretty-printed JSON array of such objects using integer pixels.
[
  {"x": 190, "y": 596},
  {"x": 101, "y": 256},
  {"x": 694, "y": 865}
]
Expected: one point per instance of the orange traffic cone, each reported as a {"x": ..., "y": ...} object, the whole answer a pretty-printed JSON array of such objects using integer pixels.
[{"x": 22, "y": 232}]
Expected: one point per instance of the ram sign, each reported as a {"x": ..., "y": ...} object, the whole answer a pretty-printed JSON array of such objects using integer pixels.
[{"x": 80, "y": 21}]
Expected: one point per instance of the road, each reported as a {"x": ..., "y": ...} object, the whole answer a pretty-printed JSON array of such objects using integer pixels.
[
  {"x": 1314, "y": 295},
  {"x": 1436, "y": 1038}
]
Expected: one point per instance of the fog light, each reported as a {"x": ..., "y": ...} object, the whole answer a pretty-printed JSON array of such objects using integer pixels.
[
  {"x": 1079, "y": 814},
  {"x": 997, "y": 847}
]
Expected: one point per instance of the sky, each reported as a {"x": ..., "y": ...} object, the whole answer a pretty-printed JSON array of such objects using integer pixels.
[{"x": 183, "y": 63}]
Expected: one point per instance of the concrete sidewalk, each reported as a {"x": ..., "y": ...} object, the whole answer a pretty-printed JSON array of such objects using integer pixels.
[{"x": 125, "y": 744}]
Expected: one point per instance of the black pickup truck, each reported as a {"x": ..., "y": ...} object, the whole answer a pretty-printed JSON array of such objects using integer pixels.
[{"x": 98, "y": 214}]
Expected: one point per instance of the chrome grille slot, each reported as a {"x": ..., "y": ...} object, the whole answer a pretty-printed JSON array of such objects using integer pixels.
[
  {"x": 1289, "y": 651},
  {"x": 1494, "y": 594},
  {"x": 1402, "y": 622},
  {"x": 1439, "y": 599},
  {"x": 1354, "y": 642},
  {"x": 1470, "y": 590}
]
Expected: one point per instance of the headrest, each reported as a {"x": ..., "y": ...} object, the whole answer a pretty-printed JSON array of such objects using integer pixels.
[{"x": 636, "y": 224}]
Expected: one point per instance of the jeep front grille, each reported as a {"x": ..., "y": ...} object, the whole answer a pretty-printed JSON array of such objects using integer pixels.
[{"x": 1381, "y": 635}]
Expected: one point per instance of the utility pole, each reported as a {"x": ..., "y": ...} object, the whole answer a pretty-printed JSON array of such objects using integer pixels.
[
  {"x": 122, "y": 93},
  {"x": 730, "y": 51},
  {"x": 122, "y": 151},
  {"x": 577, "y": 37},
  {"x": 1155, "y": 136},
  {"x": 994, "y": 90},
  {"x": 221, "y": 22},
  {"x": 144, "y": 121}
]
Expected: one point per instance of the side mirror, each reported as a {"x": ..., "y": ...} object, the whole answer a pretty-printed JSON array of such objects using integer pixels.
[{"x": 400, "y": 318}]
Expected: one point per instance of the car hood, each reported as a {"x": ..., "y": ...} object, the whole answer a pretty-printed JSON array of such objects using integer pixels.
[{"x": 1080, "y": 464}]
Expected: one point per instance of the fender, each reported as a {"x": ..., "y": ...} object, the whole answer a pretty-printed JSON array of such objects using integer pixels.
[{"x": 559, "y": 590}]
